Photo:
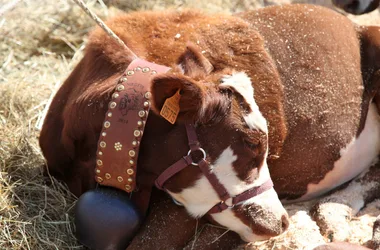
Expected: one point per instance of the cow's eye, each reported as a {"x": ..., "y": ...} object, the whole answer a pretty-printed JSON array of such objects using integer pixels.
[
  {"x": 177, "y": 202},
  {"x": 249, "y": 144}
]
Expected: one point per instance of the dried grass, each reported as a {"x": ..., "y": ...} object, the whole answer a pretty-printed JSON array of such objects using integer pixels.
[
  {"x": 39, "y": 45},
  {"x": 40, "y": 42}
]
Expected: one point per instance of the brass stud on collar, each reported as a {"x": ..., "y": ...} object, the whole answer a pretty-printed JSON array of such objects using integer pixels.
[
  {"x": 134, "y": 143},
  {"x": 120, "y": 87},
  {"x": 137, "y": 133},
  {"x": 107, "y": 124},
  {"x": 108, "y": 176},
  {"x": 123, "y": 79},
  {"x": 130, "y": 171},
  {"x": 130, "y": 72},
  {"x": 141, "y": 113},
  {"x": 131, "y": 162},
  {"x": 120, "y": 179},
  {"x": 145, "y": 69},
  {"x": 109, "y": 114},
  {"x": 130, "y": 179},
  {"x": 139, "y": 123},
  {"x": 146, "y": 104},
  {"x": 100, "y": 153},
  {"x": 128, "y": 187},
  {"x": 118, "y": 146},
  {"x": 99, "y": 162},
  {"x": 137, "y": 68},
  {"x": 104, "y": 133},
  {"x": 132, "y": 153},
  {"x": 148, "y": 95},
  {"x": 102, "y": 144},
  {"x": 112, "y": 105},
  {"x": 115, "y": 95},
  {"x": 153, "y": 72},
  {"x": 98, "y": 171},
  {"x": 99, "y": 179}
]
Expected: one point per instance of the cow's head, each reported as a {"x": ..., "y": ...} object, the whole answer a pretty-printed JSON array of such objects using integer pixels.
[{"x": 233, "y": 133}]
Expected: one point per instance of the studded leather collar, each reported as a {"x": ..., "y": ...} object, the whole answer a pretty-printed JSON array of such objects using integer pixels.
[{"x": 123, "y": 126}]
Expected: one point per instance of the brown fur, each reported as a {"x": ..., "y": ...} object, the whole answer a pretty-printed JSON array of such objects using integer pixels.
[
  {"x": 301, "y": 89},
  {"x": 312, "y": 64}
]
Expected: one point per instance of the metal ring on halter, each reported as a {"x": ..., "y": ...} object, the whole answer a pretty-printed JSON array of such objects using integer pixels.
[
  {"x": 225, "y": 202},
  {"x": 203, "y": 152}
]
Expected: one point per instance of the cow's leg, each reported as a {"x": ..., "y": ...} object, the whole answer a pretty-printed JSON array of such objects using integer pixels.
[{"x": 333, "y": 213}]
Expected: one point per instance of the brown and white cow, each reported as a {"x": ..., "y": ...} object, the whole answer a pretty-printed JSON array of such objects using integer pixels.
[{"x": 289, "y": 87}]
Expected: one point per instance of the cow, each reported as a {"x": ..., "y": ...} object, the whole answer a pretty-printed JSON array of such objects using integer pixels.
[
  {"x": 357, "y": 7},
  {"x": 284, "y": 92}
]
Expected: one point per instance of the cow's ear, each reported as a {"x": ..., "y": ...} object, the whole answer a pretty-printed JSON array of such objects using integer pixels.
[
  {"x": 194, "y": 63},
  {"x": 197, "y": 103},
  {"x": 191, "y": 95}
]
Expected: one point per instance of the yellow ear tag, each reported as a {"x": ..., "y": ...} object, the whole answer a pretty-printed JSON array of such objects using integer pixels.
[{"x": 170, "y": 109}]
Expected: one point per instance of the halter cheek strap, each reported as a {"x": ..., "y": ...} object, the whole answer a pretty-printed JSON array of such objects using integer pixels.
[{"x": 204, "y": 166}]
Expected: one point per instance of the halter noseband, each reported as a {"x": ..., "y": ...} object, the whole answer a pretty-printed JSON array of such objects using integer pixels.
[{"x": 123, "y": 128}]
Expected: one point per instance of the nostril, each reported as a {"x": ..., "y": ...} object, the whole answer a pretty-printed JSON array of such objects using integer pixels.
[{"x": 285, "y": 222}]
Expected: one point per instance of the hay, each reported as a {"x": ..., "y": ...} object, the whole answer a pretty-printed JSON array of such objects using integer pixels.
[
  {"x": 36, "y": 54},
  {"x": 40, "y": 43}
]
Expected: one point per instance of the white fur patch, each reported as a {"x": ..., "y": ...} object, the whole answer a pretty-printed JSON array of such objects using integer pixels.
[
  {"x": 197, "y": 199},
  {"x": 357, "y": 157},
  {"x": 241, "y": 83}
]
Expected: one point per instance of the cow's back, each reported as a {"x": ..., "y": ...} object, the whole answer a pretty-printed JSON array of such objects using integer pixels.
[{"x": 317, "y": 54}]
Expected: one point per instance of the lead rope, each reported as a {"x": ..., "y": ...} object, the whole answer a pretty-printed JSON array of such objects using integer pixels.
[{"x": 94, "y": 17}]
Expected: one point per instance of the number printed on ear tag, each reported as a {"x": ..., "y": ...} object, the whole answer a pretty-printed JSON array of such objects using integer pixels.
[{"x": 170, "y": 109}]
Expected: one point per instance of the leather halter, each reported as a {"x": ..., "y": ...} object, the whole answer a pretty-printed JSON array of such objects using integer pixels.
[
  {"x": 123, "y": 128},
  {"x": 204, "y": 166}
]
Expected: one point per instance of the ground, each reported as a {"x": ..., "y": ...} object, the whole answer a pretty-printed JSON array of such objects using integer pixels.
[{"x": 40, "y": 43}]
